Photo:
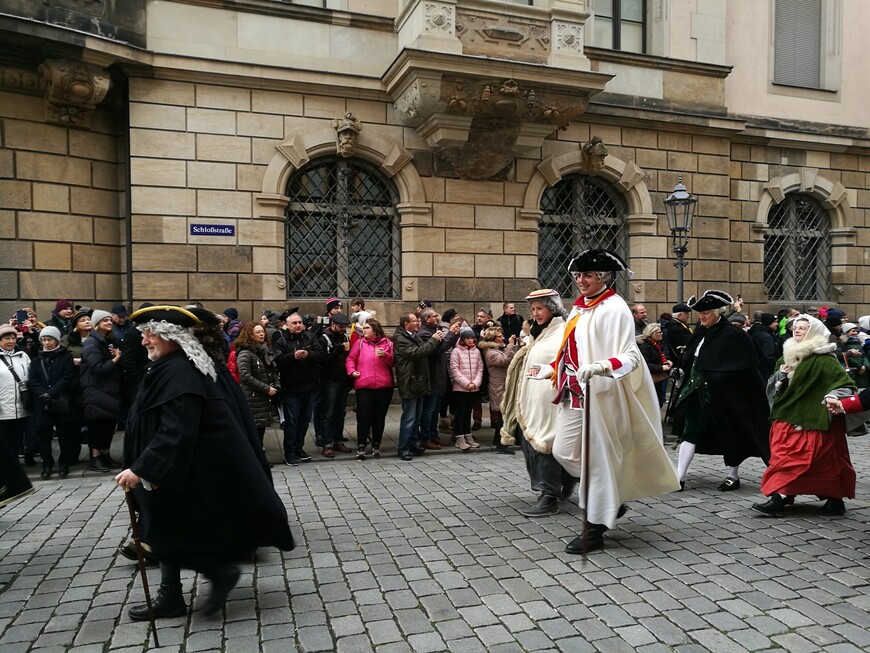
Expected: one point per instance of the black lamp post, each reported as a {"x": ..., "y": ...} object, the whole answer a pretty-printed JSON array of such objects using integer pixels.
[{"x": 680, "y": 209}]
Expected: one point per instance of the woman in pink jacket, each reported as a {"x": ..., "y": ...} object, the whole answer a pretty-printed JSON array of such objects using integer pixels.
[
  {"x": 370, "y": 365},
  {"x": 466, "y": 372}
]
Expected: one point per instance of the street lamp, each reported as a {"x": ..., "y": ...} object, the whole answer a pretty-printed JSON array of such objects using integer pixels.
[{"x": 680, "y": 209}]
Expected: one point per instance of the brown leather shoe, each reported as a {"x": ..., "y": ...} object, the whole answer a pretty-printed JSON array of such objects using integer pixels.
[
  {"x": 327, "y": 452},
  {"x": 341, "y": 448},
  {"x": 433, "y": 446}
]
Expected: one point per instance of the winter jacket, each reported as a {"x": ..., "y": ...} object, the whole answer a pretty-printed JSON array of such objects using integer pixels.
[
  {"x": 257, "y": 372},
  {"x": 497, "y": 359},
  {"x": 653, "y": 359},
  {"x": 298, "y": 375},
  {"x": 100, "y": 378},
  {"x": 439, "y": 362},
  {"x": 332, "y": 368},
  {"x": 234, "y": 328},
  {"x": 63, "y": 325},
  {"x": 51, "y": 376},
  {"x": 765, "y": 348},
  {"x": 466, "y": 366},
  {"x": 374, "y": 372},
  {"x": 233, "y": 363},
  {"x": 10, "y": 400},
  {"x": 512, "y": 325},
  {"x": 411, "y": 357}
]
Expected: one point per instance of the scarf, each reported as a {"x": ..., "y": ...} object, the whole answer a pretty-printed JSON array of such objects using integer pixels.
[{"x": 658, "y": 348}]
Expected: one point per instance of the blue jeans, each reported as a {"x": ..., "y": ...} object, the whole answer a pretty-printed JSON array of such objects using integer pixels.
[
  {"x": 412, "y": 413},
  {"x": 333, "y": 408},
  {"x": 429, "y": 420},
  {"x": 297, "y": 416}
]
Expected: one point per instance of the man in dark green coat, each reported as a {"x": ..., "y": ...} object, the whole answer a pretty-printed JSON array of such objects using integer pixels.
[{"x": 411, "y": 357}]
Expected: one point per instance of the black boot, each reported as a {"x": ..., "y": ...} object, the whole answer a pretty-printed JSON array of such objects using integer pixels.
[
  {"x": 169, "y": 603},
  {"x": 222, "y": 583},
  {"x": 46, "y": 470},
  {"x": 594, "y": 540},
  {"x": 98, "y": 465},
  {"x": 545, "y": 505},
  {"x": 773, "y": 507},
  {"x": 63, "y": 470}
]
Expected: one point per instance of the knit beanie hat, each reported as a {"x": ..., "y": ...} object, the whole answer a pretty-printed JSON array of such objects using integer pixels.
[
  {"x": 98, "y": 316},
  {"x": 332, "y": 302},
  {"x": 50, "y": 332},
  {"x": 62, "y": 305},
  {"x": 232, "y": 313},
  {"x": 767, "y": 318},
  {"x": 6, "y": 329},
  {"x": 466, "y": 332}
]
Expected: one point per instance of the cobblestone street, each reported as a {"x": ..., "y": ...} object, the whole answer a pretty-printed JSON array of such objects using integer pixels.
[{"x": 433, "y": 555}]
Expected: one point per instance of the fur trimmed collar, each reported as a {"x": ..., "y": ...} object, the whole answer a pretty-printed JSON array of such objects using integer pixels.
[{"x": 794, "y": 352}]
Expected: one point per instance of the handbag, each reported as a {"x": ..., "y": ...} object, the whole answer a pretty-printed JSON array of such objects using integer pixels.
[
  {"x": 60, "y": 405},
  {"x": 24, "y": 392}
]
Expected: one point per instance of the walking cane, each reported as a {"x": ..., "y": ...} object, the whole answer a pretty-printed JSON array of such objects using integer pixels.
[
  {"x": 140, "y": 557},
  {"x": 585, "y": 488}
]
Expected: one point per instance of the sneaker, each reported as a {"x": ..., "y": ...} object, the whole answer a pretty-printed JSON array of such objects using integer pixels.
[
  {"x": 291, "y": 461},
  {"x": 303, "y": 457},
  {"x": 376, "y": 453},
  {"x": 361, "y": 454},
  {"x": 470, "y": 441},
  {"x": 461, "y": 443}
]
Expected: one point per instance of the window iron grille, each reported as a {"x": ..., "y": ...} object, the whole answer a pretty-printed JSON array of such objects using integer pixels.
[
  {"x": 579, "y": 213},
  {"x": 797, "y": 251},
  {"x": 342, "y": 232}
]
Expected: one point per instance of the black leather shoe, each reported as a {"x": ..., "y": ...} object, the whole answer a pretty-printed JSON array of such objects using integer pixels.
[
  {"x": 833, "y": 508},
  {"x": 168, "y": 604},
  {"x": 595, "y": 541},
  {"x": 501, "y": 448},
  {"x": 682, "y": 486},
  {"x": 222, "y": 583},
  {"x": 773, "y": 507},
  {"x": 545, "y": 505},
  {"x": 729, "y": 484},
  {"x": 418, "y": 451},
  {"x": 46, "y": 471},
  {"x": 62, "y": 470},
  {"x": 622, "y": 510},
  {"x": 407, "y": 456},
  {"x": 128, "y": 550},
  {"x": 97, "y": 465}
]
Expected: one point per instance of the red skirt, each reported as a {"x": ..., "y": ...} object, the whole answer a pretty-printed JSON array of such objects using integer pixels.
[{"x": 809, "y": 462}]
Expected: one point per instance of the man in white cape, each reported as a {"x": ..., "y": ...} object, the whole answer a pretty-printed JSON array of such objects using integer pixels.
[{"x": 627, "y": 459}]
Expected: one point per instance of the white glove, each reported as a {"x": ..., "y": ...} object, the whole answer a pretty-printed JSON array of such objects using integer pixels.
[
  {"x": 589, "y": 370},
  {"x": 543, "y": 372}
]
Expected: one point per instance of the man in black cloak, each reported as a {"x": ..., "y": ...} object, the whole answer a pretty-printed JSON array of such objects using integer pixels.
[
  {"x": 722, "y": 396},
  {"x": 205, "y": 498}
]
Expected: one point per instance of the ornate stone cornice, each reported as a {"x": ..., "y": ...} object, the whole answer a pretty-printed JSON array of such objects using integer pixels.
[{"x": 73, "y": 90}]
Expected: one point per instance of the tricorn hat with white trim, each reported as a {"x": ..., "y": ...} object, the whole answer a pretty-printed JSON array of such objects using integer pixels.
[
  {"x": 709, "y": 300},
  {"x": 598, "y": 260}
]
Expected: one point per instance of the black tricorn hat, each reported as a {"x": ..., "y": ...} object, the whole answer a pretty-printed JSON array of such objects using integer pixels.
[
  {"x": 709, "y": 300},
  {"x": 597, "y": 260},
  {"x": 172, "y": 314}
]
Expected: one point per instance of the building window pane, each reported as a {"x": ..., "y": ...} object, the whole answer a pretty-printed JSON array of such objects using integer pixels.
[
  {"x": 579, "y": 212},
  {"x": 797, "y": 251},
  {"x": 620, "y": 25},
  {"x": 342, "y": 232}
]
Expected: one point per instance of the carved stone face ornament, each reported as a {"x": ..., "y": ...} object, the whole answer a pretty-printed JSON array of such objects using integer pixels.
[{"x": 347, "y": 130}]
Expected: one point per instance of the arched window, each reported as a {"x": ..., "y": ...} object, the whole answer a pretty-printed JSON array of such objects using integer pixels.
[
  {"x": 342, "y": 231},
  {"x": 579, "y": 212},
  {"x": 797, "y": 251}
]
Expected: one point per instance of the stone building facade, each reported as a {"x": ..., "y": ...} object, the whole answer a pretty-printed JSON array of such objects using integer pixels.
[{"x": 446, "y": 150}]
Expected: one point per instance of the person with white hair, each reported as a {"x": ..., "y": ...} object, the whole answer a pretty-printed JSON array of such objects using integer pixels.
[
  {"x": 808, "y": 450},
  {"x": 722, "y": 394},
  {"x": 608, "y": 431},
  {"x": 204, "y": 497}
]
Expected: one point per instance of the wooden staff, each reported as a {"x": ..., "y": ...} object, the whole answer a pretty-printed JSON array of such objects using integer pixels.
[
  {"x": 585, "y": 486},
  {"x": 140, "y": 557}
]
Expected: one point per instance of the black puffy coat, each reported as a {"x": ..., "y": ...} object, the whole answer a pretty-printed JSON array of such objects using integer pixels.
[
  {"x": 100, "y": 378},
  {"x": 257, "y": 372},
  {"x": 303, "y": 374},
  {"x": 51, "y": 376}
]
